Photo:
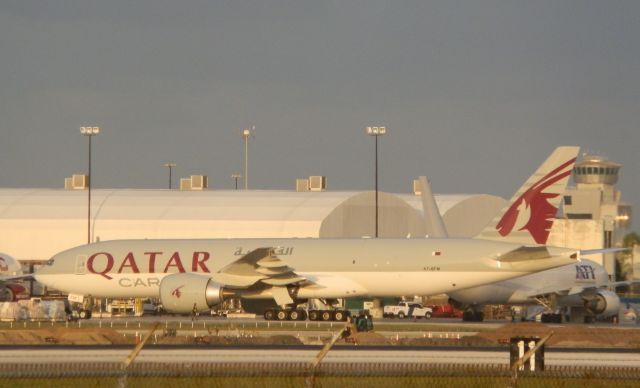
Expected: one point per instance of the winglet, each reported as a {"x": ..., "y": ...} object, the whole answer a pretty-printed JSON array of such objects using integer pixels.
[{"x": 528, "y": 217}]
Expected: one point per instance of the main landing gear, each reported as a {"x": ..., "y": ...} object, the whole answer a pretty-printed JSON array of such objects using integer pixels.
[
  {"x": 472, "y": 316},
  {"x": 551, "y": 318},
  {"x": 301, "y": 315}
]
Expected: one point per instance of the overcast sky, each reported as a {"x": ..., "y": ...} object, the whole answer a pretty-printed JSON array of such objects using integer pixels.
[{"x": 474, "y": 94}]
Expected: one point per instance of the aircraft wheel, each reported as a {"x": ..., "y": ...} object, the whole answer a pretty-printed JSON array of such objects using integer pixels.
[
  {"x": 479, "y": 316},
  {"x": 269, "y": 315},
  {"x": 281, "y": 315},
  {"x": 326, "y": 315},
  {"x": 427, "y": 315},
  {"x": 294, "y": 315},
  {"x": 314, "y": 315},
  {"x": 401, "y": 315},
  {"x": 339, "y": 315},
  {"x": 303, "y": 315},
  {"x": 467, "y": 316},
  {"x": 82, "y": 314}
]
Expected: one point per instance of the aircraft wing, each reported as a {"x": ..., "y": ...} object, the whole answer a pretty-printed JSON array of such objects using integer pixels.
[
  {"x": 261, "y": 265},
  {"x": 7, "y": 278}
]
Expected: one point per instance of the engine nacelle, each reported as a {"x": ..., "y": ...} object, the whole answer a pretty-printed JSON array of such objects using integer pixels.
[
  {"x": 9, "y": 266},
  {"x": 10, "y": 292},
  {"x": 185, "y": 292},
  {"x": 603, "y": 302}
]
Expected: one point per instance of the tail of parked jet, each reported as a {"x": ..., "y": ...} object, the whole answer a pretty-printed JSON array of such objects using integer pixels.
[{"x": 528, "y": 217}]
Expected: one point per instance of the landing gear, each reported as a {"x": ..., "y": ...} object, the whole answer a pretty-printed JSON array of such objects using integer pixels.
[
  {"x": 301, "y": 315},
  {"x": 329, "y": 315},
  {"x": 297, "y": 315},
  {"x": 472, "y": 316}
]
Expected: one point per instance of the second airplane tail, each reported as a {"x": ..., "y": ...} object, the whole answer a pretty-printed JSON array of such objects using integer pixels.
[{"x": 528, "y": 217}]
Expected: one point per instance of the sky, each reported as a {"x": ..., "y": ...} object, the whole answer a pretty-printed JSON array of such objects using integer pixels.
[{"x": 474, "y": 94}]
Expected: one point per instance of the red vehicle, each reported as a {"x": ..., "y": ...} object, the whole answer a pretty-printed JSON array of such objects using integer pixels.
[{"x": 445, "y": 311}]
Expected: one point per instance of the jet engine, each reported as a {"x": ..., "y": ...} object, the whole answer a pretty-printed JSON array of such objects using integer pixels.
[
  {"x": 10, "y": 267},
  {"x": 9, "y": 292},
  {"x": 603, "y": 302},
  {"x": 187, "y": 292}
]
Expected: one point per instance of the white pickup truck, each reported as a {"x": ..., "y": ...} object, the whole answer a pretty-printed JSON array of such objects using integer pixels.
[{"x": 407, "y": 309}]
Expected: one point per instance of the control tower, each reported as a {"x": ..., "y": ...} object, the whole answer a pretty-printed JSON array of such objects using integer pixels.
[{"x": 593, "y": 215}]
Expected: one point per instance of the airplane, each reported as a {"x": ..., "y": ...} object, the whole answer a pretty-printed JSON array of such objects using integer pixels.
[
  {"x": 275, "y": 276},
  {"x": 584, "y": 284},
  {"x": 10, "y": 271}
]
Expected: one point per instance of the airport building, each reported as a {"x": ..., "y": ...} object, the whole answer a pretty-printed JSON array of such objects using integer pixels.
[
  {"x": 35, "y": 224},
  {"x": 593, "y": 214}
]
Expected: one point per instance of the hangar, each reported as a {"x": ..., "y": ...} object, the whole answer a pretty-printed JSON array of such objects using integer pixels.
[{"x": 35, "y": 224}]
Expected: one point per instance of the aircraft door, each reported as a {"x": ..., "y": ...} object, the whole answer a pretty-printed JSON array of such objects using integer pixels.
[{"x": 81, "y": 265}]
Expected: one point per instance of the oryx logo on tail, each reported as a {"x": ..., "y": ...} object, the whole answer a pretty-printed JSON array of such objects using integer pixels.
[
  {"x": 532, "y": 211},
  {"x": 529, "y": 216}
]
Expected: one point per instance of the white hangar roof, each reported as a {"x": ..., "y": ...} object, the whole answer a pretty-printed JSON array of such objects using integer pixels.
[
  {"x": 464, "y": 215},
  {"x": 37, "y": 223}
]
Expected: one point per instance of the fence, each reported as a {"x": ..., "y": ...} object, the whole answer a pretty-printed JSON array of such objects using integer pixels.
[{"x": 300, "y": 369}]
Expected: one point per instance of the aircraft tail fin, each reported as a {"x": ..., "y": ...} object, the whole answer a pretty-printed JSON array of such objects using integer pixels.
[
  {"x": 433, "y": 220},
  {"x": 528, "y": 217}
]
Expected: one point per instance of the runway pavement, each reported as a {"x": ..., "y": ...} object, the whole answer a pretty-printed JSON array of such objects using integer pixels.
[{"x": 556, "y": 357}]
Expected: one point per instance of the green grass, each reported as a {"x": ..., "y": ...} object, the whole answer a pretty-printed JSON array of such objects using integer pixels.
[{"x": 339, "y": 382}]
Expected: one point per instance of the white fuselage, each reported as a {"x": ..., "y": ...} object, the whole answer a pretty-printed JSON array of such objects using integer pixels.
[
  {"x": 523, "y": 290},
  {"x": 332, "y": 268}
]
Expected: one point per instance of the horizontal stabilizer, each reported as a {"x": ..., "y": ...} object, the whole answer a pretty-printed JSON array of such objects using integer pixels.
[
  {"x": 587, "y": 252},
  {"x": 525, "y": 253}
]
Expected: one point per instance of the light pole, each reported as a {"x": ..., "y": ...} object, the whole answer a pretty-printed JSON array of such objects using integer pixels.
[
  {"x": 376, "y": 132},
  {"x": 246, "y": 133},
  {"x": 89, "y": 132},
  {"x": 236, "y": 177},
  {"x": 170, "y": 166}
]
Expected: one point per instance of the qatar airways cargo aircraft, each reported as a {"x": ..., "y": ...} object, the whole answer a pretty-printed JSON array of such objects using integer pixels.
[{"x": 274, "y": 276}]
